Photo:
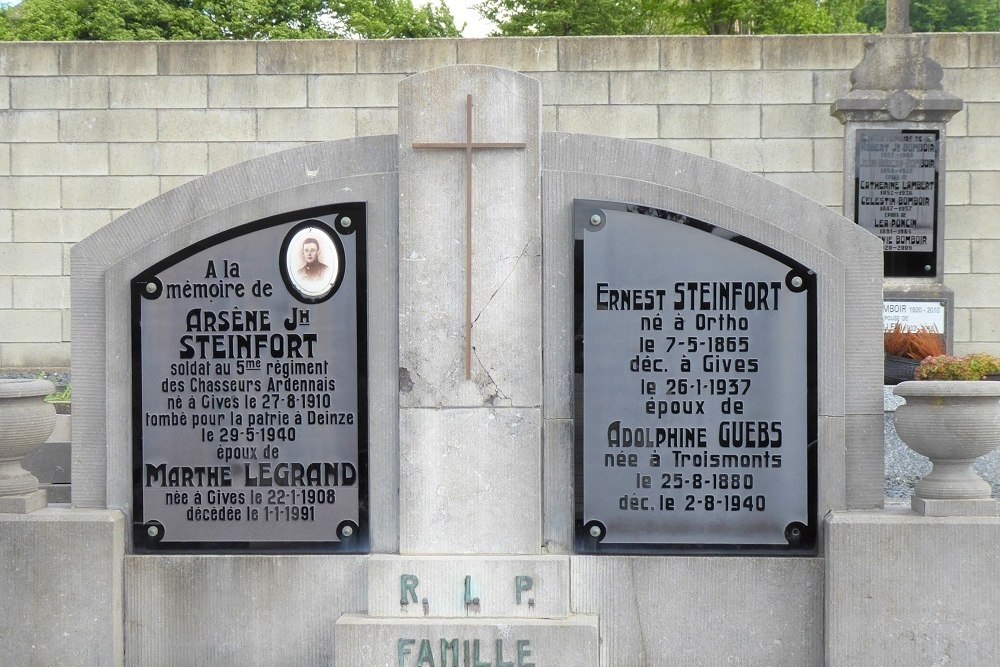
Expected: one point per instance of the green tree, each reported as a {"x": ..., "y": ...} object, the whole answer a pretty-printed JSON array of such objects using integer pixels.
[
  {"x": 383, "y": 19},
  {"x": 939, "y": 15},
  {"x": 568, "y": 17},
  {"x": 60, "y": 20}
]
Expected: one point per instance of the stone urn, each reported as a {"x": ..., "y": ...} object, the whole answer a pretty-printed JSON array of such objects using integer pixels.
[
  {"x": 26, "y": 421},
  {"x": 951, "y": 422}
]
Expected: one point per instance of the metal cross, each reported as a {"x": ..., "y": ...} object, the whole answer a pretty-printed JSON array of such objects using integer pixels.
[{"x": 468, "y": 146}]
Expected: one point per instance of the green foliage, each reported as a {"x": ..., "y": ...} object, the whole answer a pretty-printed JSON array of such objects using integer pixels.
[
  {"x": 119, "y": 20},
  {"x": 939, "y": 15},
  {"x": 383, "y": 19},
  {"x": 970, "y": 367},
  {"x": 633, "y": 17},
  {"x": 63, "y": 395}
]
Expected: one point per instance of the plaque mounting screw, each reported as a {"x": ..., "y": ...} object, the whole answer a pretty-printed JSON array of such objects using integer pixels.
[
  {"x": 595, "y": 531},
  {"x": 796, "y": 281},
  {"x": 595, "y": 220},
  {"x": 150, "y": 288},
  {"x": 152, "y": 531},
  {"x": 347, "y": 531},
  {"x": 346, "y": 222},
  {"x": 927, "y": 267}
]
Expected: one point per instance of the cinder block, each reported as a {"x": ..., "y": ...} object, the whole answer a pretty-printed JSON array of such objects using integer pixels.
[
  {"x": 111, "y": 125},
  {"x": 962, "y": 326},
  {"x": 974, "y": 154},
  {"x": 830, "y": 85},
  {"x": 30, "y": 192},
  {"x": 765, "y": 155},
  {"x": 221, "y": 155},
  {"x": 104, "y": 192},
  {"x": 159, "y": 92},
  {"x": 34, "y": 355},
  {"x": 823, "y": 188},
  {"x": 107, "y": 58},
  {"x": 6, "y": 294},
  {"x": 975, "y": 290},
  {"x": 29, "y": 59},
  {"x": 6, "y": 225},
  {"x": 986, "y": 256},
  {"x": 29, "y": 126},
  {"x": 405, "y": 55},
  {"x": 31, "y": 326},
  {"x": 709, "y": 122},
  {"x": 697, "y": 146},
  {"x": 550, "y": 119},
  {"x": 828, "y": 155},
  {"x": 985, "y": 325},
  {"x": 257, "y": 91},
  {"x": 957, "y": 256},
  {"x": 984, "y": 49},
  {"x": 221, "y": 57},
  {"x": 65, "y": 225},
  {"x": 66, "y": 247},
  {"x": 768, "y": 87},
  {"x": 41, "y": 292},
  {"x": 659, "y": 88},
  {"x": 527, "y": 54},
  {"x": 971, "y": 222},
  {"x": 573, "y": 87},
  {"x": 59, "y": 159},
  {"x": 985, "y": 187},
  {"x": 159, "y": 159},
  {"x": 800, "y": 120},
  {"x": 582, "y": 54},
  {"x": 327, "y": 56},
  {"x": 168, "y": 183},
  {"x": 4, "y": 92},
  {"x": 812, "y": 51},
  {"x": 67, "y": 325},
  {"x": 984, "y": 119},
  {"x": 950, "y": 49},
  {"x": 31, "y": 259},
  {"x": 377, "y": 121},
  {"x": 958, "y": 126},
  {"x": 356, "y": 90},
  {"x": 5, "y": 150},
  {"x": 68, "y": 563},
  {"x": 59, "y": 92},
  {"x": 972, "y": 85},
  {"x": 710, "y": 53},
  {"x": 638, "y": 122},
  {"x": 207, "y": 125},
  {"x": 957, "y": 188},
  {"x": 305, "y": 124}
]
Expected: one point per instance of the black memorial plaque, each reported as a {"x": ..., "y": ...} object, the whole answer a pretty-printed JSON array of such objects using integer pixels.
[
  {"x": 696, "y": 378},
  {"x": 250, "y": 392},
  {"x": 896, "y": 184}
]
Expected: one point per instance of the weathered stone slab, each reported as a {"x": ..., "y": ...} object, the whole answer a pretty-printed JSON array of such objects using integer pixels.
[
  {"x": 488, "y": 586},
  {"x": 571, "y": 642}
]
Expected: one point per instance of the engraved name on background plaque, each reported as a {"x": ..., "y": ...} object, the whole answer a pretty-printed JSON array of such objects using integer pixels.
[
  {"x": 896, "y": 196},
  {"x": 698, "y": 389},
  {"x": 250, "y": 395}
]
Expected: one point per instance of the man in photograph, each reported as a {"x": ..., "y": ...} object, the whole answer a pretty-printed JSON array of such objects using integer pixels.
[{"x": 313, "y": 271}]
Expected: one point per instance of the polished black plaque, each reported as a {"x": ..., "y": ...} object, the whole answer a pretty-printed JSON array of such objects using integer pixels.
[
  {"x": 696, "y": 387},
  {"x": 896, "y": 181},
  {"x": 250, "y": 393}
]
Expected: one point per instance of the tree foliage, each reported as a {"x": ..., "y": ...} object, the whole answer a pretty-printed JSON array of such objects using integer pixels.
[
  {"x": 62, "y": 20},
  {"x": 939, "y": 15}
]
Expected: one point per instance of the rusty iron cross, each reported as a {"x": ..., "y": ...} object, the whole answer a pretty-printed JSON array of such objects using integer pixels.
[{"x": 468, "y": 146}]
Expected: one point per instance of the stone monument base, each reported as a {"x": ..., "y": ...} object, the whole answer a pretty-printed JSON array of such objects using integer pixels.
[
  {"x": 23, "y": 504},
  {"x": 944, "y": 507}
]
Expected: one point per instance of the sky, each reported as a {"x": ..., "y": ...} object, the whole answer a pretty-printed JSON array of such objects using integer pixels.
[{"x": 463, "y": 12}]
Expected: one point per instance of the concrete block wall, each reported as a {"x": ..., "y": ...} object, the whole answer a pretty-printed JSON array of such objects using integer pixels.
[{"x": 90, "y": 130}]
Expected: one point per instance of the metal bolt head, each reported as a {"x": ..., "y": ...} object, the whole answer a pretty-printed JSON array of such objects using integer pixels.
[
  {"x": 927, "y": 267},
  {"x": 595, "y": 531},
  {"x": 152, "y": 531},
  {"x": 796, "y": 281},
  {"x": 150, "y": 288},
  {"x": 346, "y": 222},
  {"x": 348, "y": 531},
  {"x": 595, "y": 220}
]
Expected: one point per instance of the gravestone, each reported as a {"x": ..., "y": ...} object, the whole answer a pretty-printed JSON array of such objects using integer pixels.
[{"x": 480, "y": 495}]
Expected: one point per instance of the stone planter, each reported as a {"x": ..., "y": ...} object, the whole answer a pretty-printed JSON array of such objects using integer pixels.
[
  {"x": 952, "y": 423},
  {"x": 26, "y": 421}
]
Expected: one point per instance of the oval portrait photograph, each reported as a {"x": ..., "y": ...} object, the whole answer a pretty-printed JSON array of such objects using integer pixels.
[{"x": 312, "y": 261}]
